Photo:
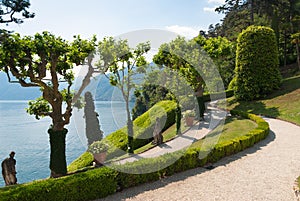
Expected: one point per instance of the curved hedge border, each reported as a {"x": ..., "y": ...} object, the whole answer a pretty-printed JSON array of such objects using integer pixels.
[
  {"x": 143, "y": 133},
  {"x": 99, "y": 183}
]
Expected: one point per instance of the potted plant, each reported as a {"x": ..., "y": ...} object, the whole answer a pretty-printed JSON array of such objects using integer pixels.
[
  {"x": 189, "y": 117},
  {"x": 99, "y": 150}
]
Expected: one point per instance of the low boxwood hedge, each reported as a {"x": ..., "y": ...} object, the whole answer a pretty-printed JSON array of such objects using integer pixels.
[
  {"x": 143, "y": 131},
  {"x": 216, "y": 96},
  {"x": 81, "y": 187},
  {"x": 99, "y": 183}
]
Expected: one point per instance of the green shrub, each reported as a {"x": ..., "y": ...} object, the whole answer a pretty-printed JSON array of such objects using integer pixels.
[
  {"x": 78, "y": 187},
  {"x": 257, "y": 63},
  {"x": 84, "y": 160}
]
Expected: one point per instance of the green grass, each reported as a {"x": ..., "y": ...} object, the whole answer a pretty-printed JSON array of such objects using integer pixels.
[
  {"x": 282, "y": 104},
  {"x": 233, "y": 128}
]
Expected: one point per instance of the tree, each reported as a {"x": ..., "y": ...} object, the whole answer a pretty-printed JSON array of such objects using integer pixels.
[
  {"x": 222, "y": 52},
  {"x": 10, "y": 8},
  {"x": 148, "y": 96},
  {"x": 45, "y": 61},
  {"x": 282, "y": 16},
  {"x": 13, "y": 11},
  {"x": 123, "y": 63},
  {"x": 296, "y": 41},
  {"x": 256, "y": 75},
  {"x": 92, "y": 126},
  {"x": 174, "y": 55}
]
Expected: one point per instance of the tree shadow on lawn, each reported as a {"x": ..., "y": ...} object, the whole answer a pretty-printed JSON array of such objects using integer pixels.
[
  {"x": 134, "y": 191},
  {"x": 256, "y": 107},
  {"x": 289, "y": 85},
  {"x": 259, "y": 107}
]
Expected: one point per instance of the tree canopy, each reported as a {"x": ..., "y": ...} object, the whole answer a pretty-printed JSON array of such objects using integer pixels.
[
  {"x": 14, "y": 11},
  {"x": 46, "y": 61}
]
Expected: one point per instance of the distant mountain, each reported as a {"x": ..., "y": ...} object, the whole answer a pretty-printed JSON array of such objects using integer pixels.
[
  {"x": 99, "y": 85},
  {"x": 14, "y": 91}
]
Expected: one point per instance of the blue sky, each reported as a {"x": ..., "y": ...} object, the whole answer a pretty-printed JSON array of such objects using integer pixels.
[{"x": 114, "y": 17}]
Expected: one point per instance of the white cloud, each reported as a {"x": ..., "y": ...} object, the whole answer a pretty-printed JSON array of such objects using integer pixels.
[
  {"x": 188, "y": 32},
  {"x": 210, "y": 10},
  {"x": 216, "y": 1}
]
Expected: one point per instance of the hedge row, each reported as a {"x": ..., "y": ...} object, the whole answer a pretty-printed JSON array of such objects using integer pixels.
[
  {"x": 143, "y": 133},
  {"x": 217, "y": 96},
  {"x": 78, "y": 187},
  {"x": 101, "y": 182}
]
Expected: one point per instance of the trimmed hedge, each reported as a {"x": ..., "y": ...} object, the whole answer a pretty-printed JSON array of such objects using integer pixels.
[
  {"x": 99, "y": 183},
  {"x": 143, "y": 133},
  {"x": 216, "y": 96},
  {"x": 78, "y": 187},
  {"x": 257, "y": 63}
]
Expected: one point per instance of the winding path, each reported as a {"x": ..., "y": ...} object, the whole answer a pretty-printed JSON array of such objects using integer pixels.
[
  {"x": 213, "y": 118},
  {"x": 266, "y": 171}
]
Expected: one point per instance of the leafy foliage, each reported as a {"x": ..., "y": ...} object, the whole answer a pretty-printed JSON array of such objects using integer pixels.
[
  {"x": 38, "y": 106},
  {"x": 283, "y": 16},
  {"x": 148, "y": 96},
  {"x": 43, "y": 61},
  {"x": 257, "y": 65},
  {"x": 222, "y": 52},
  {"x": 9, "y": 8}
]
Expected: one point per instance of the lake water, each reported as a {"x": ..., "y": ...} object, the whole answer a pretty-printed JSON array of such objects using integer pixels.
[{"x": 28, "y": 137}]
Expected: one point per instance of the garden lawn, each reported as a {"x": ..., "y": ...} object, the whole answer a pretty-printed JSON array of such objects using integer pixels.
[
  {"x": 282, "y": 104},
  {"x": 233, "y": 128}
]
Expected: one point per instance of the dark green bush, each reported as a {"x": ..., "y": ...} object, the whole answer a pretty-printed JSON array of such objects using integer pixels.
[{"x": 257, "y": 63}]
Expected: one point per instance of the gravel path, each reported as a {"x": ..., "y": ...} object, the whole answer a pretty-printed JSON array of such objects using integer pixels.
[{"x": 266, "y": 171}]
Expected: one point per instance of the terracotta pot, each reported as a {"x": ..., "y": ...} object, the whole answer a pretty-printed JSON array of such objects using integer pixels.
[
  {"x": 99, "y": 158},
  {"x": 189, "y": 121}
]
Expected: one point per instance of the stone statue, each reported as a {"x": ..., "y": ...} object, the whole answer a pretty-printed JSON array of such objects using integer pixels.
[
  {"x": 157, "y": 134},
  {"x": 9, "y": 170}
]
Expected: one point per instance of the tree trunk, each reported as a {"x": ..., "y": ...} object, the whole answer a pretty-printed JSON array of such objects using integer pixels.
[
  {"x": 251, "y": 12},
  {"x": 285, "y": 50},
  {"x": 178, "y": 120},
  {"x": 298, "y": 55},
  {"x": 200, "y": 101},
  {"x": 58, "y": 163},
  {"x": 57, "y": 132},
  {"x": 130, "y": 147}
]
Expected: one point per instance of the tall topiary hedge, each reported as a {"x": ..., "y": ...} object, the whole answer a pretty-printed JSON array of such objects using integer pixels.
[{"x": 257, "y": 63}]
